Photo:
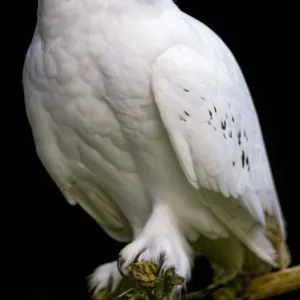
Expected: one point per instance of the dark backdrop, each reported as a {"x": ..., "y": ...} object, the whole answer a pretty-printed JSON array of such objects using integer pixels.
[{"x": 61, "y": 245}]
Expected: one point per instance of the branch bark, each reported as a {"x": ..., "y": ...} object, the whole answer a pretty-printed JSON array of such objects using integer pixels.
[{"x": 274, "y": 284}]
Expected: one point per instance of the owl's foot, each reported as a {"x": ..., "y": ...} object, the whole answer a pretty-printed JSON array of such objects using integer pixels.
[
  {"x": 106, "y": 277},
  {"x": 223, "y": 275},
  {"x": 158, "y": 249},
  {"x": 160, "y": 242}
]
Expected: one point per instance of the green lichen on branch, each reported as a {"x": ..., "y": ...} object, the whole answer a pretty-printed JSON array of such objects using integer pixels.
[
  {"x": 144, "y": 283},
  {"x": 147, "y": 283}
]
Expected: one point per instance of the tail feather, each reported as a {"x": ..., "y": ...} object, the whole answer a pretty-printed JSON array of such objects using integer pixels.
[
  {"x": 258, "y": 242},
  {"x": 265, "y": 239}
]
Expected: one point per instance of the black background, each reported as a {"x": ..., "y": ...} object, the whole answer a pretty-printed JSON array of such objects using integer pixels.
[{"x": 60, "y": 244}]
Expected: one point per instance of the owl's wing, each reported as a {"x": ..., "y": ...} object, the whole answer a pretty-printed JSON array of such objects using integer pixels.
[{"x": 209, "y": 115}]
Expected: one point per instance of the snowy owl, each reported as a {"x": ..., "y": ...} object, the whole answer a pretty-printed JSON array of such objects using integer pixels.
[{"x": 141, "y": 115}]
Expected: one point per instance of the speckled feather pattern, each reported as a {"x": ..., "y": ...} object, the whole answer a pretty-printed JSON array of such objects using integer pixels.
[{"x": 142, "y": 116}]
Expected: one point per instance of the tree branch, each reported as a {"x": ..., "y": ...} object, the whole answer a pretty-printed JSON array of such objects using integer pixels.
[
  {"x": 274, "y": 284},
  {"x": 146, "y": 283}
]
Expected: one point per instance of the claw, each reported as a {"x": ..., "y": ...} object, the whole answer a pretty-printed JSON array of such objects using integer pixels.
[
  {"x": 120, "y": 262},
  {"x": 161, "y": 261},
  {"x": 110, "y": 283}
]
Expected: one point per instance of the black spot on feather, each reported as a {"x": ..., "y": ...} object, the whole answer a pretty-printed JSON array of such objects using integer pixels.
[
  {"x": 223, "y": 125},
  {"x": 243, "y": 158}
]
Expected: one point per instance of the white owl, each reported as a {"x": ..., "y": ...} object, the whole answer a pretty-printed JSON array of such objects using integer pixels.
[{"x": 142, "y": 116}]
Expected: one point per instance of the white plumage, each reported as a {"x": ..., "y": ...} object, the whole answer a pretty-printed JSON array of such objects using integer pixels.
[{"x": 142, "y": 116}]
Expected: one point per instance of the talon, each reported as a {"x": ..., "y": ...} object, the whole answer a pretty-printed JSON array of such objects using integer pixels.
[
  {"x": 137, "y": 257},
  {"x": 120, "y": 262},
  {"x": 161, "y": 261}
]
